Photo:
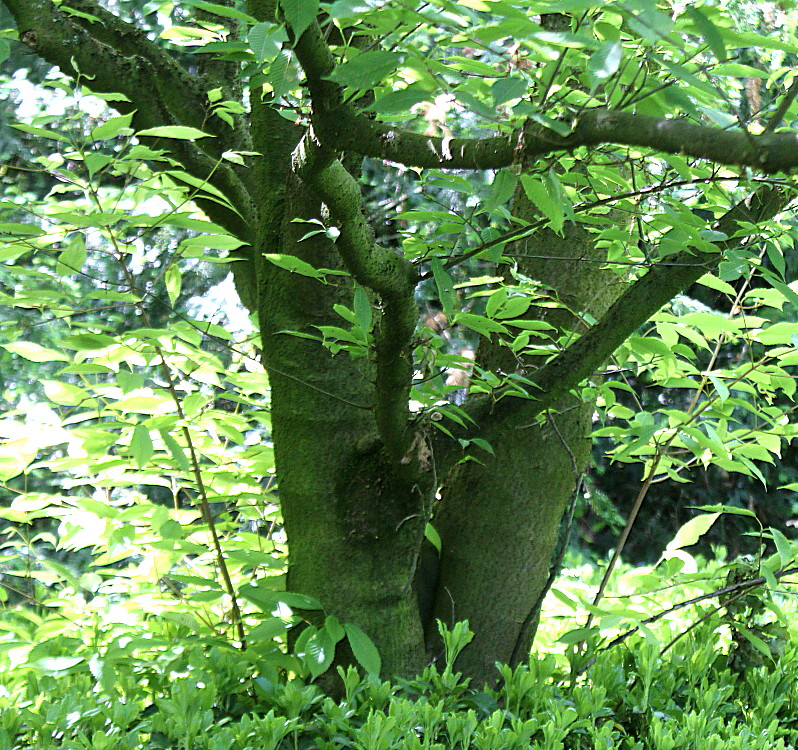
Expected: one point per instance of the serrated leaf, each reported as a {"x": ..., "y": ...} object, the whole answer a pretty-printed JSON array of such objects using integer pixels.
[
  {"x": 708, "y": 30},
  {"x": 141, "y": 445},
  {"x": 547, "y": 204},
  {"x": 367, "y": 69},
  {"x": 319, "y": 652},
  {"x": 363, "y": 649},
  {"x": 334, "y": 628},
  {"x": 300, "y": 14},
  {"x": 262, "y": 41},
  {"x": 501, "y": 190}
]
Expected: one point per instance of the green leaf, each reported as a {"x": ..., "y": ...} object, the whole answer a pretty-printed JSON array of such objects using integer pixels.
[
  {"x": 173, "y": 279},
  {"x": 51, "y": 664},
  {"x": 87, "y": 342},
  {"x": 177, "y": 453},
  {"x": 708, "y": 30},
  {"x": 480, "y": 324},
  {"x": 300, "y": 14},
  {"x": 71, "y": 259},
  {"x": 41, "y": 132},
  {"x": 112, "y": 128},
  {"x": 263, "y": 42},
  {"x": 508, "y": 88},
  {"x": 577, "y": 635},
  {"x": 268, "y": 600},
  {"x": 141, "y": 445},
  {"x": 501, "y": 190},
  {"x": 363, "y": 649},
  {"x": 179, "y": 132},
  {"x": 367, "y": 69},
  {"x": 401, "y": 100},
  {"x": 692, "y": 531},
  {"x": 319, "y": 651},
  {"x": 605, "y": 61},
  {"x": 783, "y": 547},
  {"x": 363, "y": 312},
  {"x": 13, "y": 227},
  {"x": 776, "y": 257},
  {"x": 445, "y": 285},
  {"x": 294, "y": 265},
  {"x": 431, "y": 533},
  {"x": 754, "y": 640},
  {"x": 34, "y": 352},
  {"x": 647, "y": 21},
  {"x": 720, "y": 387},
  {"x": 221, "y": 10},
  {"x": 549, "y": 206},
  {"x": 738, "y": 70},
  {"x": 334, "y": 628}
]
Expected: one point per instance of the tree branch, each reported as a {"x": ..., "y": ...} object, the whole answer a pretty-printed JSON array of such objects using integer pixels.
[
  {"x": 389, "y": 275},
  {"x": 589, "y": 352},
  {"x": 341, "y": 126}
]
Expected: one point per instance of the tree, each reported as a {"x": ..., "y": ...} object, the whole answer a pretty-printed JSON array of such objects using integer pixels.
[{"x": 605, "y": 125}]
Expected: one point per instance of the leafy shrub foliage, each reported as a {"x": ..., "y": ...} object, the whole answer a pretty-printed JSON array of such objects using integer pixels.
[{"x": 206, "y": 697}]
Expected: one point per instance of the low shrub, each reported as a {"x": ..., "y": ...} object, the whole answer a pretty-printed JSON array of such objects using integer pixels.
[{"x": 211, "y": 697}]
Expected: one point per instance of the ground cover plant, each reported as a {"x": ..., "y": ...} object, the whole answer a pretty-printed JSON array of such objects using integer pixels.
[{"x": 684, "y": 685}]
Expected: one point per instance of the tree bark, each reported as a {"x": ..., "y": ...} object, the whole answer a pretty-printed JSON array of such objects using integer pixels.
[
  {"x": 352, "y": 515},
  {"x": 495, "y": 565}
]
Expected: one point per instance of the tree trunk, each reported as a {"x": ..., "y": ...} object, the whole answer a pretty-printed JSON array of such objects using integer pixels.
[
  {"x": 499, "y": 519},
  {"x": 352, "y": 517}
]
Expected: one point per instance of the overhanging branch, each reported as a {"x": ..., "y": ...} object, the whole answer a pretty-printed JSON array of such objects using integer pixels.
[{"x": 341, "y": 126}]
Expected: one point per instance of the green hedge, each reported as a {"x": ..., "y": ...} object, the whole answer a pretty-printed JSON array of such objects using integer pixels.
[{"x": 207, "y": 698}]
